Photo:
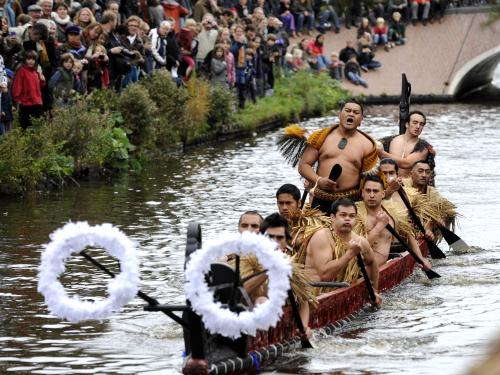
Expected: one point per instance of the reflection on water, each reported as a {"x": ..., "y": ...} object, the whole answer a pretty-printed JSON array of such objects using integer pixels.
[{"x": 424, "y": 327}]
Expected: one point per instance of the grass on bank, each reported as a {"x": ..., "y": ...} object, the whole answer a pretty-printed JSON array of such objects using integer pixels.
[{"x": 106, "y": 132}]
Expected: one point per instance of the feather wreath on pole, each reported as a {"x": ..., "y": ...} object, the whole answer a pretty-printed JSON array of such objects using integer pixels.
[{"x": 292, "y": 143}]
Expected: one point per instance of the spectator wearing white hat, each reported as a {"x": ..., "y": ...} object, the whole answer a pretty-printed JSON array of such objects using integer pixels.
[{"x": 35, "y": 12}]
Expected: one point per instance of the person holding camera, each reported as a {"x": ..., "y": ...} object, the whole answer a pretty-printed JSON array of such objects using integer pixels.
[
  {"x": 133, "y": 43},
  {"x": 206, "y": 39},
  {"x": 119, "y": 64},
  {"x": 159, "y": 42}
]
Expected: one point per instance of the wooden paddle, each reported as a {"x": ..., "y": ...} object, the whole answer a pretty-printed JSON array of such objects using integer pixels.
[
  {"x": 335, "y": 173},
  {"x": 369, "y": 286},
  {"x": 304, "y": 340},
  {"x": 330, "y": 284},
  {"x": 430, "y": 273},
  {"x": 434, "y": 250},
  {"x": 404, "y": 103},
  {"x": 143, "y": 296}
]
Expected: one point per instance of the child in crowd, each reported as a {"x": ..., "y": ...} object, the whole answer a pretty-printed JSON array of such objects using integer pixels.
[
  {"x": 298, "y": 59},
  {"x": 62, "y": 84},
  {"x": 335, "y": 68},
  {"x": 5, "y": 107},
  {"x": 397, "y": 29},
  {"x": 218, "y": 66},
  {"x": 352, "y": 72},
  {"x": 246, "y": 87},
  {"x": 27, "y": 89},
  {"x": 380, "y": 34},
  {"x": 229, "y": 57},
  {"x": 366, "y": 54},
  {"x": 269, "y": 59},
  {"x": 289, "y": 67},
  {"x": 77, "y": 72},
  {"x": 5, "y": 99},
  {"x": 147, "y": 65},
  {"x": 98, "y": 75}
]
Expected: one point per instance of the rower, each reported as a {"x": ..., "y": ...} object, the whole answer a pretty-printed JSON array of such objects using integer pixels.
[
  {"x": 374, "y": 214},
  {"x": 288, "y": 199},
  {"x": 276, "y": 228},
  {"x": 250, "y": 221},
  {"x": 331, "y": 252},
  {"x": 407, "y": 148},
  {"x": 423, "y": 208},
  {"x": 390, "y": 169},
  {"x": 420, "y": 176},
  {"x": 342, "y": 144}
]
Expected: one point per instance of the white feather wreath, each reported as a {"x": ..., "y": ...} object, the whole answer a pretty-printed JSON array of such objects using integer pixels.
[
  {"x": 224, "y": 321},
  {"x": 71, "y": 239}
]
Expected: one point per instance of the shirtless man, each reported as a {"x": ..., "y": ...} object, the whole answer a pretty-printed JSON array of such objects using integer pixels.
[
  {"x": 374, "y": 217},
  {"x": 390, "y": 169},
  {"x": 321, "y": 263},
  {"x": 420, "y": 175},
  {"x": 407, "y": 148},
  {"x": 340, "y": 144},
  {"x": 288, "y": 199}
]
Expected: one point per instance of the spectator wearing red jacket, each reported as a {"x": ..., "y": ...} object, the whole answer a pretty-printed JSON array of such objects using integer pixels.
[
  {"x": 380, "y": 33},
  {"x": 27, "y": 89},
  {"x": 316, "y": 49}
]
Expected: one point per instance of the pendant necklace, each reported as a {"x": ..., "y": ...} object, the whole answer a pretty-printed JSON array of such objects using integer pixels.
[
  {"x": 342, "y": 143},
  {"x": 404, "y": 147}
]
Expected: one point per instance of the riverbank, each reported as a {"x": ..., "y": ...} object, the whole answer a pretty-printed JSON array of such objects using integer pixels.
[{"x": 109, "y": 133}]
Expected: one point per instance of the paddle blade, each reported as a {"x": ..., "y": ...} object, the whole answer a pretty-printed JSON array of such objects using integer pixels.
[
  {"x": 455, "y": 242},
  {"x": 306, "y": 343},
  {"x": 434, "y": 250},
  {"x": 432, "y": 274},
  {"x": 335, "y": 172}
]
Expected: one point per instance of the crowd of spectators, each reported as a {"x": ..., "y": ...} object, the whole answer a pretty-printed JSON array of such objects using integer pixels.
[{"x": 52, "y": 52}]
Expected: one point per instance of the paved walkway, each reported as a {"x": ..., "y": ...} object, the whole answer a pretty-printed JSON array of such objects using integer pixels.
[{"x": 430, "y": 58}]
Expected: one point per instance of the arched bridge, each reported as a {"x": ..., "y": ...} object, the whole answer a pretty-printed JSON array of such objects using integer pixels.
[{"x": 456, "y": 57}]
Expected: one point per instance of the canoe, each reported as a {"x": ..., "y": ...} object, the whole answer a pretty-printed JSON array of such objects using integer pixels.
[{"x": 215, "y": 355}]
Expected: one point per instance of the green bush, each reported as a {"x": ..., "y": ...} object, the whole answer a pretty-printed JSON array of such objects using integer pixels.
[
  {"x": 84, "y": 133},
  {"x": 139, "y": 114},
  {"x": 303, "y": 94},
  {"x": 170, "y": 102},
  {"x": 104, "y": 100},
  {"x": 29, "y": 160},
  {"x": 222, "y": 109}
]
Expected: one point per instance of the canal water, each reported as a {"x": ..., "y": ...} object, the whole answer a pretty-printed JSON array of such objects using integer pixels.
[{"x": 443, "y": 326}]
